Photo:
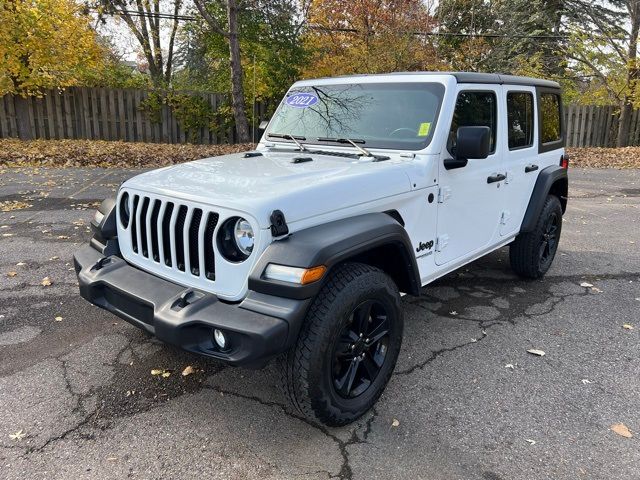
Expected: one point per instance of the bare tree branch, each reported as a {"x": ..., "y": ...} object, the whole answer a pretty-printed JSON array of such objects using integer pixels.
[{"x": 211, "y": 21}]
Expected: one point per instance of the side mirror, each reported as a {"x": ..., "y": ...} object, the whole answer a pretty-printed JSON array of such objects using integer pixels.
[
  {"x": 471, "y": 143},
  {"x": 263, "y": 126}
]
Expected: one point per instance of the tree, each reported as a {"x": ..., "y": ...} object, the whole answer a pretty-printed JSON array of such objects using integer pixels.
[
  {"x": 462, "y": 24},
  {"x": 231, "y": 35},
  {"x": 45, "y": 44},
  {"x": 603, "y": 49},
  {"x": 369, "y": 36},
  {"x": 146, "y": 21},
  {"x": 508, "y": 36},
  {"x": 272, "y": 52}
]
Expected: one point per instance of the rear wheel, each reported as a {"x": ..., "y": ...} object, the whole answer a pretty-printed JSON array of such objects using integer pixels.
[
  {"x": 347, "y": 348},
  {"x": 532, "y": 253}
]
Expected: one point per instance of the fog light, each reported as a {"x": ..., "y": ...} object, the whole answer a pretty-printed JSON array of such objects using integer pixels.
[{"x": 220, "y": 339}]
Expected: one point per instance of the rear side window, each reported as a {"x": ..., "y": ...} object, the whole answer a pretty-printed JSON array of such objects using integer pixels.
[
  {"x": 550, "y": 115},
  {"x": 474, "y": 109},
  {"x": 520, "y": 119}
]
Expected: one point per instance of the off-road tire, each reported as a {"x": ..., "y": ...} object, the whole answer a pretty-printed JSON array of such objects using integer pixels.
[
  {"x": 525, "y": 251},
  {"x": 307, "y": 369}
]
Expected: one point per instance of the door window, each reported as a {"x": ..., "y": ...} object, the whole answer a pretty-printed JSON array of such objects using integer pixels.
[
  {"x": 520, "y": 119},
  {"x": 474, "y": 109}
]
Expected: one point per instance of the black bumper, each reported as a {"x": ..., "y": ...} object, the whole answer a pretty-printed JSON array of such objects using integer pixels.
[{"x": 258, "y": 328}]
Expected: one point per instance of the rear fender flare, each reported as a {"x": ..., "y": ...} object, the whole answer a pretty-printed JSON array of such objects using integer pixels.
[{"x": 551, "y": 180}]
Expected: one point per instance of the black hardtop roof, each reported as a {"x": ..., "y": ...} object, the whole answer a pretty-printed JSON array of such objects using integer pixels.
[{"x": 477, "y": 77}]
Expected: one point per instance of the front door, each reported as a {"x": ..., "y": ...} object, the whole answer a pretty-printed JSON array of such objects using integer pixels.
[{"x": 470, "y": 199}]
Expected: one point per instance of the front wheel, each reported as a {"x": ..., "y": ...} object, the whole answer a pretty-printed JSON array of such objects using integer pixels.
[
  {"x": 347, "y": 348},
  {"x": 532, "y": 253}
]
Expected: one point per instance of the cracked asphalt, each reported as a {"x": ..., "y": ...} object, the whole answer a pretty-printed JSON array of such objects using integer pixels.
[{"x": 77, "y": 398}]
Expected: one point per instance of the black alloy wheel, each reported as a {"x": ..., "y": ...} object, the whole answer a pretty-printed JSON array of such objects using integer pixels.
[
  {"x": 549, "y": 243},
  {"x": 361, "y": 349}
]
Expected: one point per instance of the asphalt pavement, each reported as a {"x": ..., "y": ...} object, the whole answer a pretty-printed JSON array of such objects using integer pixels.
[{"x": 467, "y": 401}]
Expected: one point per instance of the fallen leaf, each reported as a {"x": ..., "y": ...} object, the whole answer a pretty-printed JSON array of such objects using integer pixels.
[
  {"x": 395, "y": 423},
  {"x": 596, "y": 289},
  {"x": 20, "y": 264},
  {"x": 156, "y": 371},
  {"x": 531, "y": 442},
  {"x": 58, "y": 319},
  {"x": 12, "y": 274},
  {"x": 188, "y": 371},
  {"x": 63, "y": 237},
  {"x": 165, "y": 374},
  {"x": 585, "y": 381},
  {"x": 539, "y": 353},
  {"x": 586, "y": 285},
  {"x": 622, "y": 430},
  {"x": 110, "y": 154},
  {"x": 510, "y": 365},
  {"x": 46, "y": 282},
  {"x": 627, "y": 326},
  {"x": 54, "y": 258},
  {"x": 19, "y": 435},
  {"x": 10, "y": 205}
]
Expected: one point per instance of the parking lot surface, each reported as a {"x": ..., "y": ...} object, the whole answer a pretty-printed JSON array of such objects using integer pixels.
[{"x": 78, "y": 400}]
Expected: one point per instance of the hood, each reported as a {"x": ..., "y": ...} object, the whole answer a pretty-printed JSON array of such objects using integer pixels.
[{"x": 260, "y": 184}]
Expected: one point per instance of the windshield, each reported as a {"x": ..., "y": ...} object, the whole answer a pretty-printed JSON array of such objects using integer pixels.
[{"x": 383, "y": 115}]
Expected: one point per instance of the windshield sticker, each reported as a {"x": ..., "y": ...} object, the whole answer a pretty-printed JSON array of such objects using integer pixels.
[
  {"x": 301, "y": 100},
  {"x": 424, "y": 130}
]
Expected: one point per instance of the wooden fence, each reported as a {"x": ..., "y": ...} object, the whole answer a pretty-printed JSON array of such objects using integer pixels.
[
  {"x": 596, "y": 126},
  {"x": 106, "y": 114},
  {"x": 115, "y": 114}
]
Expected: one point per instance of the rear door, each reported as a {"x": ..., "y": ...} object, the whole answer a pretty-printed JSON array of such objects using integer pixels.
[
  {"x": 521, "y": 155},
  {"x": 470, "y": 199}
]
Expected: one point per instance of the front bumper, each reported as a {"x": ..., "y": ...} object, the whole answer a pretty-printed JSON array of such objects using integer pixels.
[{"x": 259, "y": 328}]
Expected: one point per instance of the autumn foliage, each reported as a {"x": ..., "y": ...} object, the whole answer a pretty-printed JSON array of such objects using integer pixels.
[
  {"x": 45, "y": 44},
  {"x": 369, "y": 36}
]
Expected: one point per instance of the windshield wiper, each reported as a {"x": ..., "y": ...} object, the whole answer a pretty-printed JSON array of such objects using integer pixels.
[
  {"x": 353, "y": 142},
  {"x": 290, "y": 137}
]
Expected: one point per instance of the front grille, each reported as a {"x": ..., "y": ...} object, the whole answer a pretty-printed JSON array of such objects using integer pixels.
[{"x": 177, "y": 236}]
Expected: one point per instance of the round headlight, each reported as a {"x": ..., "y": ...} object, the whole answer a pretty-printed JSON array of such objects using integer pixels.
[
  {"x": 235, "y": 239},
  {"x": 124, "y": 209},
  {"x": 244, "y": 236}
]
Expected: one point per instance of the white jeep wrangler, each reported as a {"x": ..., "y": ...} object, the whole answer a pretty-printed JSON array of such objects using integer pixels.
[{"x": 362, "y": 187}]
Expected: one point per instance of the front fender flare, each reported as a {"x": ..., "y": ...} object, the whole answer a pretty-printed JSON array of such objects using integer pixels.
[{"x": 330, "y": 244}]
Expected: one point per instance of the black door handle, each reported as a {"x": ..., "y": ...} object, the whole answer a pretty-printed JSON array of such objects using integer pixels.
[
  {"x": 498, "y": 177},
  {"x": 530, "y": 168}
]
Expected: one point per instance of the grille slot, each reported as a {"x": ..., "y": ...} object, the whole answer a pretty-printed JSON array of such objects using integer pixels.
[
  {"x": 194, "y": 259},
  {"x": 179, "y": 233},
  {"x": 209, "y": 257},
  {"x": 166, "y": 234},
  {"x": 143, "y": 227},
  {"x": 134, "y": 224},
  {"x": 155, "y": 250},
  {"x": 175, "y": 236}
]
